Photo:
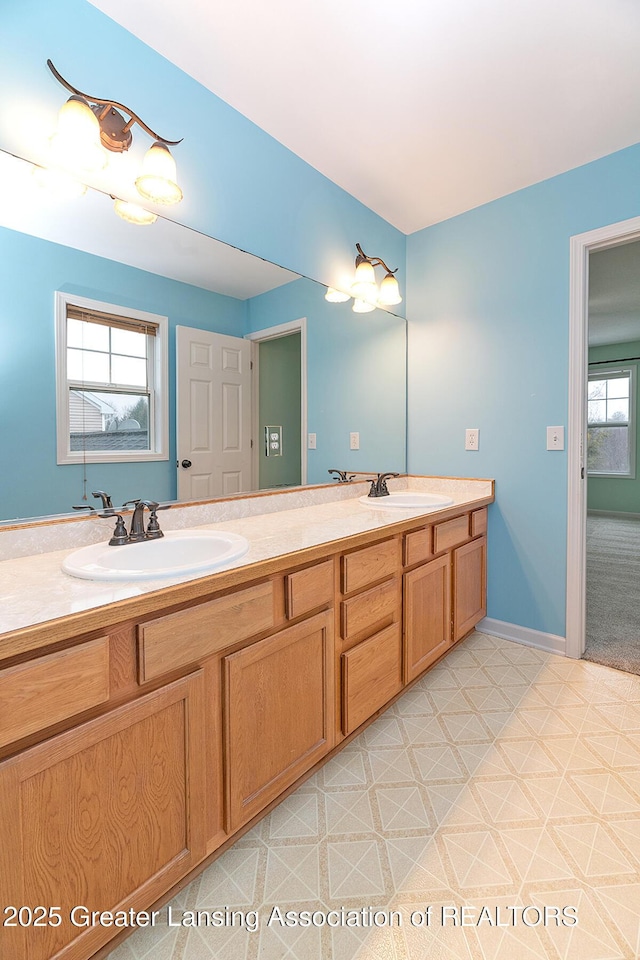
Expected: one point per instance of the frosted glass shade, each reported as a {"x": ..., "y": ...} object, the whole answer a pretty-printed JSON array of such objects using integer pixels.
[
  {"x": 336, "y": 296},
  {"x": 157, "y": 181},
  {"x": 364, "y": 283},
  {"x": 389, "y": 292},
  {"x": 76, "y": 143},
  {"x": 133, "y": 213},
  {"x": 362, "y": 306}
]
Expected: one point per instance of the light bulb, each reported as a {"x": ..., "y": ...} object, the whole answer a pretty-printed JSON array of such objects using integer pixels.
[
  {"x": 134, "y": 213},
  {"x": 76, "y": 143},
  {"x": 157, "y": 182},
  {"x": 389, "y": 292}
]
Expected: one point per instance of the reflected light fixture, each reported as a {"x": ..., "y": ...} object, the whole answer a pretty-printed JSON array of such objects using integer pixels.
[
  {"x": 134, "y": 213},
  {"x": 87, "y": 126},
  {"x": 364, "y": 289}
]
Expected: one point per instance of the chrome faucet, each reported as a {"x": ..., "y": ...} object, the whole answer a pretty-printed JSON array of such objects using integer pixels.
[{"x": 379, "y": 485}]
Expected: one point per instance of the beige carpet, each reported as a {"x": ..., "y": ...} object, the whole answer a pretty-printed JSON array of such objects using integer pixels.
[{"x": 613, "y": 592}]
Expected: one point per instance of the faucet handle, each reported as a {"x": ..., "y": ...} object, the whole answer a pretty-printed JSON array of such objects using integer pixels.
[
  {"x": 84, "y": 506},
  {"x": 131, "y": 503}
]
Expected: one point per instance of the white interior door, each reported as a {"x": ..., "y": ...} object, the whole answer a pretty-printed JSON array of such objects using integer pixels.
[{"x": 213, "y": 416}]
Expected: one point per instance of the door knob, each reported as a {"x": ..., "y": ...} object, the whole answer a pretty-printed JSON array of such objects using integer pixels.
[{"x": 186, "y": 463}]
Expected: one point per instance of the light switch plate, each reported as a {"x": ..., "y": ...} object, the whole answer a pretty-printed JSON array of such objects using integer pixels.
[
  {"x": 311, "y": 441},
  {"x": 555, "y": 438},
  {"x": 354, "y": 441}
]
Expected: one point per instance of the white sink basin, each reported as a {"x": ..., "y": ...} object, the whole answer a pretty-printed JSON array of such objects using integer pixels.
[
  {"x": 409, "y": 500},
  {"x": 177, "y": 552}
]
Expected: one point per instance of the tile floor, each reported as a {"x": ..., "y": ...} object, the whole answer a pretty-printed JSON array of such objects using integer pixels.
[{"x": 507, "y": 778}]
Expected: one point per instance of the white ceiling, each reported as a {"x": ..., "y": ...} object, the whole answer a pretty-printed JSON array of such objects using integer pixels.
[
  {"x": 614, "y": 294},
  {"x": 421, "y": 110}
]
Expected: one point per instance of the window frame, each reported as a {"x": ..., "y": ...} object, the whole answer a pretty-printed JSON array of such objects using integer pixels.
[
  {"x": 604, "y": 373},
  {"x": 158, "y": 368}
]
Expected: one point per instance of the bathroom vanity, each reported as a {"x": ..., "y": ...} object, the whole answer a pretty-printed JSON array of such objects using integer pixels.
[{"x": 141, "y": 736}]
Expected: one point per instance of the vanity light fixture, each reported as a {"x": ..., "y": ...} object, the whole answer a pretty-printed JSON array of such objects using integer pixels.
[
  {"x": 364, "y": 289},
  {"x": 87, "y": 126}
]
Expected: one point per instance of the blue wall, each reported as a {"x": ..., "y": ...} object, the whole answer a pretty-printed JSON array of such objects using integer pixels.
[
  {"x": 31, "y": 483},
  {"x": 488, "y": 347},
  {"x": 356, "y": 378},
  {"x": 240, "y": 185}
]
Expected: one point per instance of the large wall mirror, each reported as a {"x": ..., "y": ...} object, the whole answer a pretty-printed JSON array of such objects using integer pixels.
[{"x": 327, "y": 388}]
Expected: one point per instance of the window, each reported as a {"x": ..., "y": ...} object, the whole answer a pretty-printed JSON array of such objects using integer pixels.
[
  {"x": 111, "y": 382},
  {"x": 610, "y": 423}
]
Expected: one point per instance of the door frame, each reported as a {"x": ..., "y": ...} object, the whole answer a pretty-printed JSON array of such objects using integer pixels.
[
  {"x": 581, "y": 246},
  {"x": 274, "y": 333}
]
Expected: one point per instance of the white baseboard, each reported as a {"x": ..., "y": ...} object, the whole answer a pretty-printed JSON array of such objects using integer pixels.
[{"x": 531, "y": 638}]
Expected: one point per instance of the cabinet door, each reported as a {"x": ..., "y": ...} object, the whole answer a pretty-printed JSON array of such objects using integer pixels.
[
  {"x": 279, "y": 714},
  {"x": 371, "y": 676},
  {"x": 427, "y": 615},
  {"x": 106, "y": 816},
  {"x": 469, "y": 586}
]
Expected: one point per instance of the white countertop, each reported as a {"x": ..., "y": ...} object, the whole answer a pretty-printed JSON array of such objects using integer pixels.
[{"x": 34, "y": 590}]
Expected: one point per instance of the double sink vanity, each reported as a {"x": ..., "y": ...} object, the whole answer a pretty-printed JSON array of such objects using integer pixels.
[{"x": 145, "y": 723}]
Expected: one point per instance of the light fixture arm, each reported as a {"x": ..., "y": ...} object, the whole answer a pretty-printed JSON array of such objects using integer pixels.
[
  {"x": 108, "y": 105},
  {"x": 374, "y": 261}
]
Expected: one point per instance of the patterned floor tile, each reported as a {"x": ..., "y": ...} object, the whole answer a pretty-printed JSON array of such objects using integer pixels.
[
  {"x": 348, "y": 812},
  {"x": 401, "y": 808},
  {"x": 437, "y": 763},
  {"x": 505, "y": 776},
  {"x": 297, "y": 816},
  {"x": 476, "y": 860},
  {"x": 391, "y": 765},
  {"x": 293, "y": 874},
  {"x": 355, "y": 870}
]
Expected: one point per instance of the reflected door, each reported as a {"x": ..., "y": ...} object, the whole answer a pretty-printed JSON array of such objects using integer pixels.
[{"x": 213, "y": 416}]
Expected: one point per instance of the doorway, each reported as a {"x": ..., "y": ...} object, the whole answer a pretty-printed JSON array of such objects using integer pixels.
[
  {"x": 582, "y": 248},
  {"x": 279, "y": 405}
]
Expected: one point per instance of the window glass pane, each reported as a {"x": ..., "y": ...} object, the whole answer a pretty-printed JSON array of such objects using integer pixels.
[
  {"x": 608, "y": 449},
  {"x": 597, "y": 411},
  {"x": 105, "y": 421},
  {"x": 617, "y": 410},
  {"x": 618, "y": 387},
  {"x": 129, "y": 371},
  {"x": 91, "y": 336},
  {"x": 597, "y": 389},
  {"x": 87, "y": 365},
  {"x": 127, "y": 342}
]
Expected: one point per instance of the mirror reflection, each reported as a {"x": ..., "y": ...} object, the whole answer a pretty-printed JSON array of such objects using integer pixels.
[{"x": 156, "y": 362}]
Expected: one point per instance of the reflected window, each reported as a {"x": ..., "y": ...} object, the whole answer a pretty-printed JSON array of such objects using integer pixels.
[
  {"x": 610, "y": 423},
  {"x": 112, "y": 384}
]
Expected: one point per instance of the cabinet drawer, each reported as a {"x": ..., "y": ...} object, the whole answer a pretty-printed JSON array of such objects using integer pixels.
[
  {"x": 369, "y": 608},
  {"x": 450, "y": 533},
  {"x": 418, "y": 546},
  {"x": 369, "y": 565},
  {"x": 40, "y": 693},
  {"x": 479, "y": 522},
  {"x": 371, "y": 676},
  {"x": 309, "y": 589},
  {"x": 190, "y": 635}
]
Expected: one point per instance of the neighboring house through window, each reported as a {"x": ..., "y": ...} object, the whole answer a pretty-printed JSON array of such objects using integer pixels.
[
  {"x": 611, "y": 422},
  {"x": 112, "y": 383}
]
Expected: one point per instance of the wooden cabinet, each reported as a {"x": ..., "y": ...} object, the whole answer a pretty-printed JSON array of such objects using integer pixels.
[
  {"x": 105, "y": 816},
  {"x": 427, "y": 615},
  {"x": 274, "y": 671},
  {"x": 278, "y": 714},
  {"x": 469, "y": 586},
  {"x": 371, "y": 676}
]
